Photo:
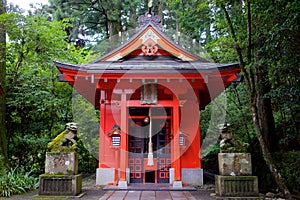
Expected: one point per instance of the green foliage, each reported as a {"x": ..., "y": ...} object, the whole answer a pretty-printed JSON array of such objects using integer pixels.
[
  {"x": 88, "y": 120},
  {"x": 17, "y": 182},
  {"x": 28, "y": 152},
  {"x": 2, "y": 166},
  {"x": 288, "y": 165},
  {"x": 38, "y": 106},
  {"x": 87, "y": 161}
]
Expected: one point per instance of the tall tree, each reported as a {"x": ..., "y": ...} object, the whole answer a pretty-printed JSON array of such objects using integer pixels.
[
  {"x": 3, "y": 143},
  {"x": 103, "y": 19},
  {"x": 38, "y": 106},
  {"x": 262, "y": 36},
  {"x": 255, "y": 67}
]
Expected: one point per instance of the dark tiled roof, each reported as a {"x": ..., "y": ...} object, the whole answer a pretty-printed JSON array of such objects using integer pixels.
[{"x": 149, "y": 66}]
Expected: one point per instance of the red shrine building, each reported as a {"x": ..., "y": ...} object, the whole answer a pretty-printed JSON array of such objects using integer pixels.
[{"x": 149, "y": 92}]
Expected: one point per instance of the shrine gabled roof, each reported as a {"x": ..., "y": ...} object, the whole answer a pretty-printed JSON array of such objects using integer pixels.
[
  {"x": 149, "y": 54},
  {"x": 150, "y": 38},
  {"x": 148, "y": 51}
]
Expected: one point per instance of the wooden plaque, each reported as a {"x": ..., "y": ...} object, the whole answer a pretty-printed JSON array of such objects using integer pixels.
[{"x": 149, "y": 93}]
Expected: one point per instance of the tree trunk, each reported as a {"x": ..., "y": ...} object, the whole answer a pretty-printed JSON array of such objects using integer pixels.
[
  {"x": 263, "y": 119},
  {"x": 133, "y": 18},
  {"x": 160, "y": 10},
  {"x": 267, "y": 155},
  {"x": 263, "y": 104},
  {"x": 3, "y": 139}
]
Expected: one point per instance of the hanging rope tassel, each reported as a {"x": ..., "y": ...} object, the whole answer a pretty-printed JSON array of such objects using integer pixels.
[{"x": 150, "y": 145}]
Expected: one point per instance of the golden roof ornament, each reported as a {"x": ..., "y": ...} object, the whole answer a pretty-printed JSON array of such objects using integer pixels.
[{"x": 149, "y": 17}]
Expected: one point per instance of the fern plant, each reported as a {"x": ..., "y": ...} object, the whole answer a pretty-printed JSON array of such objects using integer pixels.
[{"x": 15, "y": 182}]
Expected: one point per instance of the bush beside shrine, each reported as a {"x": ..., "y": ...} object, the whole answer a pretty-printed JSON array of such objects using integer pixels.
[
  {"x": 288, "y": 165},
  {"x": 17, "y": 182}
]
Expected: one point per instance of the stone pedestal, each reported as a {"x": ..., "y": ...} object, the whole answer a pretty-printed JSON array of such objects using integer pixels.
[
  {"x": 236, "y": 186},
  {"x": 236, "y": 180},
  {"x": 61, "y": 176},
  {"x": 60, "y": 185},
  {"x": 61, "y": 163},
  {"x": 235, "y": 164}
]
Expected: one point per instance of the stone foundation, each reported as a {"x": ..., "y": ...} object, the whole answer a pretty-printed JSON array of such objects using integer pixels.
[
  {"x": 171, "y": 176},
  {"x": 236, "y": 186},
  {"x": 105, "y": 176},
  {"x": 60, "y": 185},
  {"x": 191, "y": 176}
]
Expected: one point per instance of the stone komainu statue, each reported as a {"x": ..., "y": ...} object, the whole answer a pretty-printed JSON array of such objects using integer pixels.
[
  {"x": 226, "y": 143},
  {"x": 65, "y": 142},
  {"x": 229, "y": 143}
]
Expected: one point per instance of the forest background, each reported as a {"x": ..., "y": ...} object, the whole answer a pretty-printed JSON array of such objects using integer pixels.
[{"x": 264, "y": 110}]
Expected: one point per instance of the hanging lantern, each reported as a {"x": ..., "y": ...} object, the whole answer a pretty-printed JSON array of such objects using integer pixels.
[
  {"x": 115, "y": 135},
  {"x": 116, "y": 140},
  {"x": 147, "y": 120},
  {"x": 181, "y": 140}
]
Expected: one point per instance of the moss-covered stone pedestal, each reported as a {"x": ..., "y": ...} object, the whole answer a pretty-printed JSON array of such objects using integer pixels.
[
  {"x": 60, "y": 185},
  {"x": 236, "y": 180},
  {"x": 61, "y": 176},
  {"x": 236, "y": 186}
]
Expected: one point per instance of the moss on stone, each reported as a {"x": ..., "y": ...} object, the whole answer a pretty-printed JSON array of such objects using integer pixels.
[{"x": 56, "y": 145}]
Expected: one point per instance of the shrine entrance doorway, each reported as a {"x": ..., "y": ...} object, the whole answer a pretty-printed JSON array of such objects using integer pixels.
[{"x": 142, "y": 170}]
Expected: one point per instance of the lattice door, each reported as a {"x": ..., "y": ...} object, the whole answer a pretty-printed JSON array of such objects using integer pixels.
[
  {"x": 136, "y": 170},
  {"x": 164, "y": 153},
  {"x": 136, "y": 159}
]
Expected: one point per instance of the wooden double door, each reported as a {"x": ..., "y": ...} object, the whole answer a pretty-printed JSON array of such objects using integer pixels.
[{"x": 138, "y": 146}]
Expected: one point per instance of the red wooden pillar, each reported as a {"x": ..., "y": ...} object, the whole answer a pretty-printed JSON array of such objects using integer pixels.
[
  {"x": 123, "y": 149},
  {"x": 102, "y": 129},
  {"x": 117, "y": 159},
  {"x": 176, "y": 147}
]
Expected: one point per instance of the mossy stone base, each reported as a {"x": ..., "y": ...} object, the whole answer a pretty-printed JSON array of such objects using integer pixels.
[
  {"x": 60, "y": 185},
  {"x": 236, "y": 186}
]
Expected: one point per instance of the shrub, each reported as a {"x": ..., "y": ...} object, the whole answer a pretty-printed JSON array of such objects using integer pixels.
[
  {"x": 288, "y": 165},
  {"x": 15, "y": 182},
  {"x": 2, "y": 167}
]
